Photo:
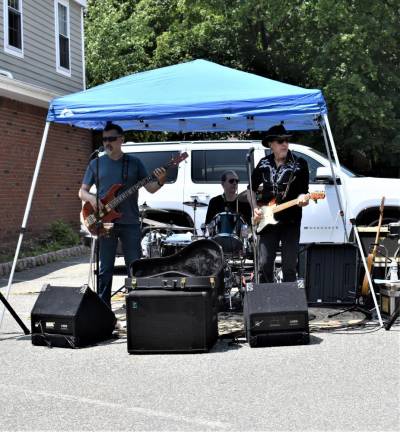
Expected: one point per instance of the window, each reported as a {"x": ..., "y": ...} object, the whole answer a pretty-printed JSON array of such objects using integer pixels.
[
  {"x": 153, "y": 160},
  {"x": 62, "y": 36},
  {"x": 13, "y": 31},
  {"x": 208, "y": 165}
]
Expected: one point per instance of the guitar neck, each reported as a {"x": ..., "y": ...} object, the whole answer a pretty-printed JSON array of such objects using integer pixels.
[
  {"x": 284, "y": 205},
  {"x": 126, "y": 194}
]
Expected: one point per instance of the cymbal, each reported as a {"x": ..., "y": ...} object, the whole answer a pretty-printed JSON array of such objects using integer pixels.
[
  {"x": 156, "y": 224},
  {"x": 195, "y": 203},
  {"x": 143, "y": 208},
  {"x": 242, "y": 197}
]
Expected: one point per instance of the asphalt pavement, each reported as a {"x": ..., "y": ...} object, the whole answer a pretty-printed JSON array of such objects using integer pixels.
[{"x": 341, "y": 381}]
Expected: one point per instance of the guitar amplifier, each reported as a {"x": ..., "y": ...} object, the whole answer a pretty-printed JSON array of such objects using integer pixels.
[
  {"x": 275, "y": 314},
  {"x": 164, "y": 320}
]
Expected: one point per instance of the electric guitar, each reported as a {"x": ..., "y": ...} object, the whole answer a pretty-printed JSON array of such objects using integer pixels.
[
  {"x": 111, "y": 200},
  {"x": 371, "y": 256},
  {"x": 271, "y": 208}
]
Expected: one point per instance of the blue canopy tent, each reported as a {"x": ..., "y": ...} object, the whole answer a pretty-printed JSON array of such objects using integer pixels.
[
  {"x": 193, "y": 96},
  {"x": 196, "y": 96}
]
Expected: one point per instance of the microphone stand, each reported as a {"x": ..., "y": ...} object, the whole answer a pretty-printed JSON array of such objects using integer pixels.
[
  {"x": 98, "y": 224},
  {"x": 250, "y": 166}
]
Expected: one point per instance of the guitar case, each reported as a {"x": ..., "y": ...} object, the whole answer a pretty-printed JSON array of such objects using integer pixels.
[{"x": 198, "y": 266}]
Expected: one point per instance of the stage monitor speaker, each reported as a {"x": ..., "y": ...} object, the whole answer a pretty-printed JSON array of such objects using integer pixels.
[
  {"x": 275, "y": 314},
  {"x": 330, "y": 272},
  {"x": 70, "y": 317}
]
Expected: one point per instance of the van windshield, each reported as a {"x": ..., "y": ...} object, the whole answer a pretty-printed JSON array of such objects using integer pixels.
[{"x": 344, "y": 169}]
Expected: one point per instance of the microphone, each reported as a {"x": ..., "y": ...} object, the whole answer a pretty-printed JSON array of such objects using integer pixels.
[
  {"x": 248, "y": 156},
  {"x": 97, "y": 151}
]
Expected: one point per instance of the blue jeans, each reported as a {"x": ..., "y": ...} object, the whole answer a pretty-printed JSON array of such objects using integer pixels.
[{"x": 130, "y": 237}]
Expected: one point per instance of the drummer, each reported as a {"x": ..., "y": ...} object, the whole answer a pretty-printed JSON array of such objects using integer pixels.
[{"x": 228, "y": 201}]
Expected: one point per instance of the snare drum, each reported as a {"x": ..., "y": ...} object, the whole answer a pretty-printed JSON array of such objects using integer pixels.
[
  {"x": 174, "y": 243},
  {"x": 225, "y": 229}
]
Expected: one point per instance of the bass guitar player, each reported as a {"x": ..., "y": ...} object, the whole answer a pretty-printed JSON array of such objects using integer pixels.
[
  {"x": 284, "y": 177},
  {"x": 117, "y": 168}
]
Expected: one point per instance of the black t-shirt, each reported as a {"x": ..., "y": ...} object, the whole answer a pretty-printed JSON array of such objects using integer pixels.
[
  {"x": 275, "y": 184},
  {"x": 218, "y": 204}
]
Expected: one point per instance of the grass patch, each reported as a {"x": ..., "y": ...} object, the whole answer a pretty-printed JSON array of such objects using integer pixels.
[{"x": 59, "y": 236}]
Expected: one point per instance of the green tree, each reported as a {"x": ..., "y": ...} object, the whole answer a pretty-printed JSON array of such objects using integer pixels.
[{"x": 347, "y": 48}]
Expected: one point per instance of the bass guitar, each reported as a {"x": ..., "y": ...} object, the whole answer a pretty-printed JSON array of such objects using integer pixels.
[
  {"x": 371, "y": 256},
  {"x": 111, "y": 200},
  {"x": 271, "y": 208}
]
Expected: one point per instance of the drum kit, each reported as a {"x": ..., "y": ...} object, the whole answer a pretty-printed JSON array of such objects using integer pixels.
[{"x": 227, "y": 229}]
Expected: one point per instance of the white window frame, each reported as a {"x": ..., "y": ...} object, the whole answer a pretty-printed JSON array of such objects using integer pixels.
[
  {"x": 9, "y": 49},
  {"x": 60, "y": 69}
]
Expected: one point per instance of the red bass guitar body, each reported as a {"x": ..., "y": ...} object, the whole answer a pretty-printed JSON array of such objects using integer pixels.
[{"x": 106, "y": 214}]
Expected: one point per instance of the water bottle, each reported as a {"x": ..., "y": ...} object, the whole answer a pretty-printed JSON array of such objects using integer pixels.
[{"x": 393, "y": 271}]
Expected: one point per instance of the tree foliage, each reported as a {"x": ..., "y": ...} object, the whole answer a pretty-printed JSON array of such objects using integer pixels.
[{"x": 347, "y": 48}]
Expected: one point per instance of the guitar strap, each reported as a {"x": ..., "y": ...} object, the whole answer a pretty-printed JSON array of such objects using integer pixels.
[
  {"x": 291, "y": 178},
  {"x": 125, "y": 167}
]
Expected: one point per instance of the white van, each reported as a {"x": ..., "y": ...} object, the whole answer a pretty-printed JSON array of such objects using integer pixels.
[{"x": 199, "y": 177}]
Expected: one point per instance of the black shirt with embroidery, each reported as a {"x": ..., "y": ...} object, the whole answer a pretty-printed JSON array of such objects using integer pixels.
[
  {"x": 218, "y": 204},
  {"x": 275, "y": 183}
]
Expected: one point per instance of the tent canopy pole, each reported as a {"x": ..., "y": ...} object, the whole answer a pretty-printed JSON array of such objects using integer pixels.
[
  {"x": 351, "y": 216},
  {"x": 26, "y": 215}
]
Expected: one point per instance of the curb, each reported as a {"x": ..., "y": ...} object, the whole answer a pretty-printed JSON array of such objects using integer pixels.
[{"x": 30, "y": 262}]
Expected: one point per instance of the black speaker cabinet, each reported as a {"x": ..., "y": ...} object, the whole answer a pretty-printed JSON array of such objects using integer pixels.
[
  {"x": 171, "y": 321},
  {"x": 275, "y": 314},
  {"x": 330, "y": 272},
  {"x": 70, "y": 317}
]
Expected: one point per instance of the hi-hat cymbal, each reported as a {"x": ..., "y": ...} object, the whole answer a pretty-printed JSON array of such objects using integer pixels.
[{"x": 195, "y": 203}]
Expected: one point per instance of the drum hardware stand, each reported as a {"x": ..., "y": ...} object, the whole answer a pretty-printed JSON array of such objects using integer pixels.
[{"x": 358, "y": 307}]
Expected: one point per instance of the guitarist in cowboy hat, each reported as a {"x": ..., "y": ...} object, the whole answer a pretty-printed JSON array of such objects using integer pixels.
[
  {"x": 284, "y": 177},
  {"x": 115, "y": 167}
]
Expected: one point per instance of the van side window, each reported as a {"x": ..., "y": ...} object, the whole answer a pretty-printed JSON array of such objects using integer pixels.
[
  {"x": 156, "y": 159},
  {"x": 311, "y": 162},
  {"x": 208, "y": 165}
]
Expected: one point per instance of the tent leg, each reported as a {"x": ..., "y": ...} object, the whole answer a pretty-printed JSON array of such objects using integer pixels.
[
  {"x": 340, "y": 202},
  {"x": 328, "y": 128},
  {"x": 26, "y": 215}
]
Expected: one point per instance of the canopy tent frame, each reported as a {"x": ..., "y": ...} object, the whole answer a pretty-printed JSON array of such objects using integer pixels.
[{"x": 315, "y": 116}]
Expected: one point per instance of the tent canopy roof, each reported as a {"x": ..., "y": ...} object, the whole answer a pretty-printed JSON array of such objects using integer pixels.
[{"x": 195, "y": 96}]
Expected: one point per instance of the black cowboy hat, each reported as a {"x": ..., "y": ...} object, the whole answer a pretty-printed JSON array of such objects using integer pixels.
[{"x": 274, "y": 133}]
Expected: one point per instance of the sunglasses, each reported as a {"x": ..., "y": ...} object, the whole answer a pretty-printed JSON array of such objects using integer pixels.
[
  {"x": 111, "y": 138},
  {"x": 282, "y": 140},
  {"x": 232, "y": 181}
]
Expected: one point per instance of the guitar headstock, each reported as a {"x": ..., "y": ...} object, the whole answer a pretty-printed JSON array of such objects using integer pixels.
[
  {"x": 176, "y": 160},
  {"x": 317, "y": 195}
]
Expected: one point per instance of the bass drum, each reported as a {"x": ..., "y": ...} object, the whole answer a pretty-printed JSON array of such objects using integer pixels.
[
  {"x": 173, "y": 243},
  {"x": 226, "y": 230}
]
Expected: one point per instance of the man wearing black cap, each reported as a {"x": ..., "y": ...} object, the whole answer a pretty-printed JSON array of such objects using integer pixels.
[{"x": 284, "y": 177}]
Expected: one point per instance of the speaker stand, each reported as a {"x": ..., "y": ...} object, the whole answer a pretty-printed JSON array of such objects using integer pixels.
[{"x": 14, "y": 314}]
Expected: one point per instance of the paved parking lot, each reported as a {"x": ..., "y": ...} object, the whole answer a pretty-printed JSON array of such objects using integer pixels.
[{"x": 342, "y": 381}]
